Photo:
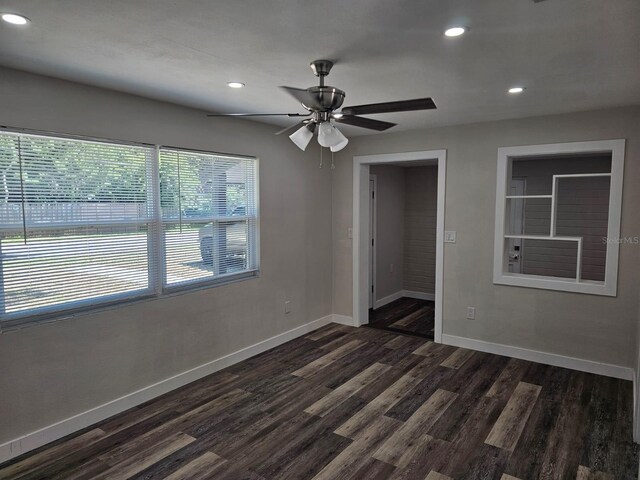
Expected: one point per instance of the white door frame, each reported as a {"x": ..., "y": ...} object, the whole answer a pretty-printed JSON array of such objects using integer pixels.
[
  {"x": 361, "y": 165},
  {"x": 373, "y": 244}
]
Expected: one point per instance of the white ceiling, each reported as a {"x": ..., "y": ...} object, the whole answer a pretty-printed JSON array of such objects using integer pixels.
[{"x": 570, "y": 54}]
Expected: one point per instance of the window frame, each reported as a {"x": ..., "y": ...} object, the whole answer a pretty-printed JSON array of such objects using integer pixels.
[
  {"x": 156, "y": 265},
  {"x": 500, "y": 274},
  {"x": 165, "y": 289}
]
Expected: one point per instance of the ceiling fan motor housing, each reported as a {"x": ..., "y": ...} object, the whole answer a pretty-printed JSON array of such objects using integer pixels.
[{"x": 329, "y": 98}]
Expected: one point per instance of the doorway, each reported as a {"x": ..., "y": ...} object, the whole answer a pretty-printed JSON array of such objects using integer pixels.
[{"x": 364, "y": 238}]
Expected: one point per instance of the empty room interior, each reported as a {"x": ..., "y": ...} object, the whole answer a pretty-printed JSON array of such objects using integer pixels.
[{"x": 320, "y": 240}]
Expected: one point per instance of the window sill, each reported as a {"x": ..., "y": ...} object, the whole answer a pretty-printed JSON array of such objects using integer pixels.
[{"x": 555, "y": 283}]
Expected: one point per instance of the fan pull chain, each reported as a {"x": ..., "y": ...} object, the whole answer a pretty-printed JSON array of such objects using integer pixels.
[
  {"x": 321, "y": 156},
  {"x": 333, "y": 165}
]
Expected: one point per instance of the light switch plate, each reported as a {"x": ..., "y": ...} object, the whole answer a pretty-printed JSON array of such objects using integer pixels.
[{"x": 450, "y": 236}]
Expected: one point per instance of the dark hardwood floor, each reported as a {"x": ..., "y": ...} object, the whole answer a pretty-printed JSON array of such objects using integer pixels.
[
  {"x": 362, "y": 403},
  {"x": 405, "y": 315}
]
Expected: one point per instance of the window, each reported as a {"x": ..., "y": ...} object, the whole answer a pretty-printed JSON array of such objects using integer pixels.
[
  {"x": 80, "y": 223},
  {"x": 558, "y": 216},
  {"x": 209, "y": 215}
]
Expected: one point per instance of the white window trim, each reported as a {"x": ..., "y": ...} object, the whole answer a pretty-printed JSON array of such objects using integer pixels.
[{"x": 500, "y": 275}]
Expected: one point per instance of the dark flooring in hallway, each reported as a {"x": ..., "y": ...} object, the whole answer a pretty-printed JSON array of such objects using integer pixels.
[
  {"x": 359, "y": 403},
  {"x": 405, "y": 315}
]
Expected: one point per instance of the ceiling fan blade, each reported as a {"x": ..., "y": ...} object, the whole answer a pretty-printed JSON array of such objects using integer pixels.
[
  {"x": 291, "y": 127},
  {"x": 303, "y": 96},
  {"x": 258, "y": 114},
  {"x": 388, "y": 107},
  {"x": 365, "y": 122}
]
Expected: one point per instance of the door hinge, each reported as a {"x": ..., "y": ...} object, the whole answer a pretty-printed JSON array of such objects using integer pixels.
[
  {"x": 372, "y": 241},
  {"x": 373, "y": 194},
  {"x": 371, "y": 288}
]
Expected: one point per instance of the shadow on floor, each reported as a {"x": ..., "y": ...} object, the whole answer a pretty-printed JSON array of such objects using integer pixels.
[{"x": 410, "y": 316}]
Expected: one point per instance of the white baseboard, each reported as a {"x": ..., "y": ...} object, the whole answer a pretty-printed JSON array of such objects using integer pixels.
[
  {"x": 388, "y": 299},
  {"x": 609, "y": 370},
  {"x": 419, "y": 295},
  {"x": 343, "y": 320},
  {"x": 403, "y": 293},
  {"x": 48, "y": 434}
]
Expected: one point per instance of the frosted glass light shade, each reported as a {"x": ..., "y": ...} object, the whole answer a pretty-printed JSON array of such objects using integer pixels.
[
  {"x": 328, "y": 135},
  {"x": 340, "y": 146},
  {"x": 301, "y": 137}
]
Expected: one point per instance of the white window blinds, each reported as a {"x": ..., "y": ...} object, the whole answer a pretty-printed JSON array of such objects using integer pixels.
[
  {"x": 209, "y": 215},
  {"x": 74, "y": 222},
  {"x": 85, "y": 222}
]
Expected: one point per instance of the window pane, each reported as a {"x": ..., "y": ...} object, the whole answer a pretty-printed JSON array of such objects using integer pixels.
[
  {"x": 187, "y": 254},
  {"x": 549, "y": 258},
  {"x": 61, "y": 266},
  {"x": 583, "y": 211},
  {"x": 197, "y": 251},
  {"x": 209, "y": 207},
  {"x": 530, "y": 216},
  {"x": 74, "y": 217},
  {"x": 538, "y": 172}
]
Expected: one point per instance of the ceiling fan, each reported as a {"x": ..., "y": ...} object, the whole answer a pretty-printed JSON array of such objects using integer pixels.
[{"x": 322, "y": 103}]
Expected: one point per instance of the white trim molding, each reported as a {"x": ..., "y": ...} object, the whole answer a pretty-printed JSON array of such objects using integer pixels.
[
  {"x": 500, "y": 261},
  {"x": 403, "y": 293},
  {"x": 50, "y": 433},
  {"x": 419, "y": 295},
  {"x": 607, "y": 369},
  {"x": 636, "y": 410},
  {"x": 361, "y": 228},
  {"x": 343, "y": 320},
  {"x": 636, "y": 404},
  {"x": 388, "y": 299}
]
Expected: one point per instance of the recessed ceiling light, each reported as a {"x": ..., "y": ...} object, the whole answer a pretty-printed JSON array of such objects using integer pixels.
[
  {"x": 235, "y": 84},
  {"x": 337, "y": 115},
  {"x": 454, "y": 31},
  {"x": 15, "y": 19},
  {"x": 516, "y": 90}
]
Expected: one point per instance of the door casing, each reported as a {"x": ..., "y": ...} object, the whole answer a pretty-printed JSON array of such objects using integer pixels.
[{"x": 361, "y": 220}]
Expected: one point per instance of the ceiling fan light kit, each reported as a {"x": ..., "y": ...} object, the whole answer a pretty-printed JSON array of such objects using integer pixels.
[{"x": 321, "y": 103}]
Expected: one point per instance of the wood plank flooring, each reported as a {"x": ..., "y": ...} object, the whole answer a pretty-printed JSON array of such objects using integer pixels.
[
  {"x": 405, "y": 315},
  {"x": 347, "y": 403}
]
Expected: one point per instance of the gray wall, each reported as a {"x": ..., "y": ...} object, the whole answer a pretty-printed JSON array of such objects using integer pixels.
[
  {"x": 582, "y": 211},
  {"x": 390, "y": 229},
  {"x": 53, "y": 371},
  {"x": 420, "y": 212},
  {"x": 602, "y": 329}
]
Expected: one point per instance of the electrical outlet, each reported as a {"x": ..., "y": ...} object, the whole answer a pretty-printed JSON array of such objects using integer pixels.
[
  {"x": 349, "y": 232},
  {"x": 450, "y": 236},
  {"x": 471, "y": 313},
  {"x": 287, "y": 306}
]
